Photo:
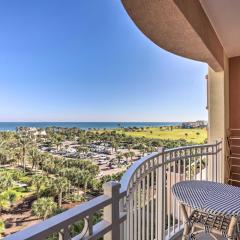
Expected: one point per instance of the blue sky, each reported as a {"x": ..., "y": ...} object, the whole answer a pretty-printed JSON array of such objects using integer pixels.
[{"x": 85, "y": 60}]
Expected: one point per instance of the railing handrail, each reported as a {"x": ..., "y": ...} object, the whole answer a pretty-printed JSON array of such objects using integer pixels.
[
  {"x": 193, "y": 146},
  {"x": 126, "y": 178},
  {"x": 45, "y": 228}
]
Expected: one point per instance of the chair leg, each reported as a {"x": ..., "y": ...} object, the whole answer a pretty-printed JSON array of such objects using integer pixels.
[
  {"x": 187, "y": 227},
  {"x": 231, "y": 228}
]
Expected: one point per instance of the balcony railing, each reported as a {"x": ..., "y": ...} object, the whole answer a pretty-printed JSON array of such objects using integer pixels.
[
  {"x": 141, "y": 206},
  {"x": 152, "y": 212}
]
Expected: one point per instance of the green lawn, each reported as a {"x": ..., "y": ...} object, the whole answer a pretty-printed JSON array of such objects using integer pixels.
[{"x": 197, "y": 135}]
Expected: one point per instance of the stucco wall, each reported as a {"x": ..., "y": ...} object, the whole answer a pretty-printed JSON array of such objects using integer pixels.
[
  {"x": 218, "y": 109},
  {"x": 215, "y": 105},
  {"x": 234, "y": 88}
]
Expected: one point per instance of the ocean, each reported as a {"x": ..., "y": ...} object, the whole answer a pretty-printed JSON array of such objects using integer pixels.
[{"x": 11, "y": 126}]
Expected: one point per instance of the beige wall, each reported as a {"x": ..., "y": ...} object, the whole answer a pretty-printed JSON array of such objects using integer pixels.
[
  {"x": 226, "y": 94},
  {"x": 226, "y": 119},
  {"x": 218, "y": 109},
  {"x": 234, "y": 88},
  {"x": 215, "y": 105}
]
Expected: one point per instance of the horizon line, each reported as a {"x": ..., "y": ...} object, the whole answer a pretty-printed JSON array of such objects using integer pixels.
[{"x": 100, "y": 121}]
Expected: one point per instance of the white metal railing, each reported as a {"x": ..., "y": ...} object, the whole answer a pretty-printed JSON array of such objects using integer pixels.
[
  {"x": 141, "y": 206},
  {"x": 152, "y": 212}
]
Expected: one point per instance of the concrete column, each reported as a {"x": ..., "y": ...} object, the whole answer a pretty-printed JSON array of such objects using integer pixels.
[
  {"x": 111, "y": 212},
  {"x": 218, "y": 110}
]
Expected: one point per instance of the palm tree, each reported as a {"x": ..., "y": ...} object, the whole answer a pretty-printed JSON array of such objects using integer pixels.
[
  {"x": 129, "y": 147},
  {"x": 142, "y": 148},
  {"x": 34, "y": 157},
  {"x": 6, "y": 181},
  {"x": 48, "y": 165},
  {"x": 86, "y": 176},
  {"x": 82, "y": 149},
  {"x": 23, "y": 141},
  {"x": 115, "y": 146},
  {"x": 4, "y": 203},
  {"x": 44, "y": 158},
  {"x": 17, "y": 155},
  {"x": 60, "y": 185},
  {"x": 2, "y": 227},
  {"x": 3, "y": 156},
  {"x": 11, "y": 197},
  {"x": 77, "y": 179},
  {"x": 83, "y": 140},
  {"x": 149, "y": 149},
  {"x": 39, "y": 181},
  {"x": 44, "y": 207},
  {"x": 126, "y": 155},
  {"x": 132, "y": 154},
  {"x": 119, "y": 157}
]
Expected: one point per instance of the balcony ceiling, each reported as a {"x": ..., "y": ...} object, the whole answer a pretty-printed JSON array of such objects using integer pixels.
[
  {"x": 224, "y": 16},
  {"x": 163, "y": 22}
]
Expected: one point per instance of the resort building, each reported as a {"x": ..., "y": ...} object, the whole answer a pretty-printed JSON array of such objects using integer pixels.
[
  {"x": 31, "y": 131},
  {"x": 197, "y": 124},
  {"x": 142, "y": 206}
]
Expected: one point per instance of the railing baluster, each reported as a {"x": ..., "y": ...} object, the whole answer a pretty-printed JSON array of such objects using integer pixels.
[
  {"x": 131, "y": 211},
  {"x": 90, "y": 225},
  {"x": 148, "y": 202},
  {"x": 169, "y": 199},
  {"x": 134, "y": 218},
  {"x": 156, "y": 181},
  {"x": 216, "y": 163},
  {"x": 189, "y": 165},
  {"x": 219, "y": 145},
  {"x": 212, "y": 164},
  {"x": 189, "y": 172},
  {"x": 172, "y": 198},
  {"x": 127, "y": 222},
  {"x": 157, "y": 203},
  {"x": 164, "y": 196},
  {"x": 160, "y": 197},
  {"x": 201, "y": 152},
  {"x": 207, "y": 163},
  {"x": 123, "y": 226},
  {"x": 64, "y": 234},
  {"x": 194, "y": 151},
  {"x": 143, "y": 205},
  {"x": 139, "y": 207},
  {"x": 184, "y": 164},
  {"x": 179, "y": 179},
  {"x": 152, "y": 201}
]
